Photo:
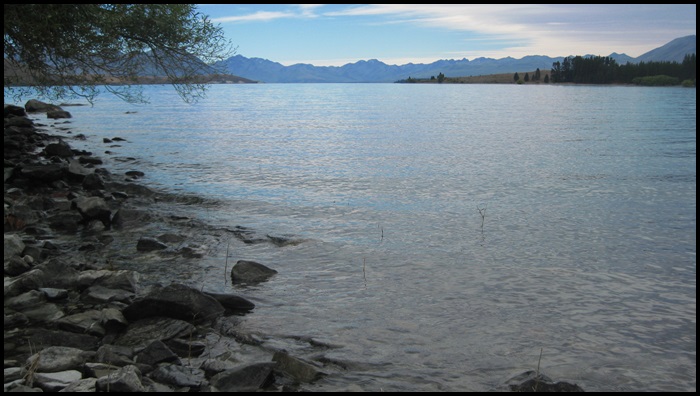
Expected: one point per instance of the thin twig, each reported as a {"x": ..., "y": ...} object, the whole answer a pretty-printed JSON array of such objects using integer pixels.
[
  {"x": 537, "y": 374},
  {"x": 226, "y": 266}
]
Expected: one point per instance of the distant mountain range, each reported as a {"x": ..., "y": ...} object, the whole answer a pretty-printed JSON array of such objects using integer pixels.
[{"x": 374, "y": 71}]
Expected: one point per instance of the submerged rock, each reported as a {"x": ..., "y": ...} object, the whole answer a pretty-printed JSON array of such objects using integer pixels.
[
  {"x": 531, "y": 381},
  {"x": 245, "y": 271}
]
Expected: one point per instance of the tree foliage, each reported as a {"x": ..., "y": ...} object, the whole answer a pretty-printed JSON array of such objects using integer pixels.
[
  {"x": 69, "y": 50},
  {"x": 605, "y": 70}
]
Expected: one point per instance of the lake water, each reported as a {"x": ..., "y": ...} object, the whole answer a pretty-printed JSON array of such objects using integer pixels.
[{"x": 453, "y": 232}]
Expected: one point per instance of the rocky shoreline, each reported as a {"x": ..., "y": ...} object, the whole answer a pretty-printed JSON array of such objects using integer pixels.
[
  {"x": 95, "y": 291},
  {"x": 77, "y": 320}
]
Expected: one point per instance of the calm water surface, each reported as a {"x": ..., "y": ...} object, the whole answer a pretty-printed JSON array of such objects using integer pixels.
[{"x": 586, "y": 250}]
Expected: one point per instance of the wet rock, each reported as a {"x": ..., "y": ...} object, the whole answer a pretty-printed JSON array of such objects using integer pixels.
[
  {"x": 134, "y": 173},
  {"x": 12, "y": 110},
  {"x": 233, "y": 303},
  {"x": 76, "y": 171},
  {"x": 249, "y": 378},
  {"x": 60, "y": 149},
  {"x": 93, "y": 181},
  {"x": 296, "y": 368},
  {"x": 58, "y": 114},
  {"x": 128, "y": 218},
  {"x": 245, "y": 271},
  {"x": 179, "y": 376},
  {"x": 146, "y": 244},
  {"x": 100, "y": 295},
  {"x": 175, "y": 301},
  {"x": 530, "y": 381},
  {"x": 94, "y": 208}
]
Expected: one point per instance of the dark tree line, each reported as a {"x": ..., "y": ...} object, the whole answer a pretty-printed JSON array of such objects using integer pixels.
[{"x": 605, "y": 70}]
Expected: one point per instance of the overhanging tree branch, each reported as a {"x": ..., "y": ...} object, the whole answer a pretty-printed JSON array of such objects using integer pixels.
[{"x": 67, "y": 50}]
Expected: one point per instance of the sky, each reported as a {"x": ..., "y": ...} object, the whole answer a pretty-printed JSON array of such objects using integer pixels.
[{"x": 397, "y": 34}]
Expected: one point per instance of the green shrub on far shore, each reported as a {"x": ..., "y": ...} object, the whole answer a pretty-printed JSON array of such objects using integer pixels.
[
  {"x": 656, "y": 81},
  {"x": 688, "y": 83}
]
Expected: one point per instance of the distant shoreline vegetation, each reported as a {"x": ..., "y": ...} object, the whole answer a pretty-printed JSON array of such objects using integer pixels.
[{"x": 586, "y": 70}]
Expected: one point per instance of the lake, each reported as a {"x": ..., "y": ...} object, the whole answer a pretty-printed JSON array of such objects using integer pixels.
[{"x": 452, "y": 232}]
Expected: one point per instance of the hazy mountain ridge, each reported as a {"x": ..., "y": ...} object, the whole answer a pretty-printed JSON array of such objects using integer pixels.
[{"x": 376, "y": 71}]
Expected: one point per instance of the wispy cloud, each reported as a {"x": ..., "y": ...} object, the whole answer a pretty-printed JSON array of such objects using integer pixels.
[
  {"x": 299, "y": 11},
  {"x": 561, "y": 28}
]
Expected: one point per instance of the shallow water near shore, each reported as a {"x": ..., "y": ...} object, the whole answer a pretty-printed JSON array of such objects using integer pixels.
[{"x": 450, "y": 233}]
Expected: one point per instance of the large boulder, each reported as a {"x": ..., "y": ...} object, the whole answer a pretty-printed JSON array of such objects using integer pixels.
[
  {"x": 245, "y": 271},
  {"x": 34, "y": 105},
  {"x": 175, "y": 301}
]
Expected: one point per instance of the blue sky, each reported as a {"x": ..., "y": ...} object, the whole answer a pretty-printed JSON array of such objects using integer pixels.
[{"x": 337, "y": 34}]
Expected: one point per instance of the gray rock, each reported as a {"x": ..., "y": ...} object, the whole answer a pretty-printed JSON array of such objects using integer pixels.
[
  {"x": 186, "y": 349},
  {"x": 26, "y": 300},
  {"x": 233, "y": 303},
  {"x": 68, "y": 222},
  {"x": 58, "y": 358},
  {"x": 142, "y": 332},
  {"x": 54, "y": 382},
  {"x": 530, "y": 381},
  {"x": 16, "y": 266},
  {"x": 296, "y": 368},
  {"x": 94, "y": 208},
  {"x": 175, "y": 301},
  {"x": 13, "y": 373},
  {"x": 249, "y": 378},
  {"x": 113, "y": 320},
  {"x": 120, "y": 279},
  {"x": 83, "y": 342},
  {"x": 43, "y": 173},
  {"x": 12, "y": 110},
  {"x": 13, "y": 246},
  {"x": 60, "y": 149},
  {"x": 179, "y": 376},
  {"x": 57, "y": 114},
  {"x": 93, "y": 181},
  {"x": 157, "y": 352},
  {"x": 34, "y": 105},
  {"x": 117, "y": 355},
  {"x": 29, "y": 280},
  {"x": 44, "y": 313},
  {"x": 83, "y": 385},
  {"x": 53, "y": 294},
  {"x": 245, "y": 271},
  {"x": 126, "y": 379},
  {"x": 76, "y": 170},
  {"x": 146, "y": 244},
  {"x": 130, "y": 218},
  {"x": 88, "y": 322}
]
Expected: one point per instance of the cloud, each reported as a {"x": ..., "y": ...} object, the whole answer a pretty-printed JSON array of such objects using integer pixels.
[
  {"x": 562, "y": 29},
  {"x": 257, "y": 17},
  {"x": 305, "y": 11}
]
